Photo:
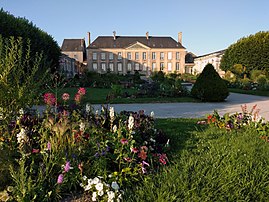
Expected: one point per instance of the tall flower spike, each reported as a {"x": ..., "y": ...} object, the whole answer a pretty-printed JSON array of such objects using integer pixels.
[
  {"x": 131, "y": 122},
  {"x": 111, "y": 114}
]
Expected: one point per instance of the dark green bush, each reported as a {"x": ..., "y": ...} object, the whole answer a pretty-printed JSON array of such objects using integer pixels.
[{"x": 210, "y": 86}]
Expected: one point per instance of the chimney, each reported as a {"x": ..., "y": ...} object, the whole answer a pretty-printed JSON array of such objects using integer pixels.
[
  {"x": 114, "y": 35},
  {"x": 81, "y": 42},
  {"x": 89, "y": 38},
  {"x": 147, "y": 35},
  {"x": 180, "y": 37}
]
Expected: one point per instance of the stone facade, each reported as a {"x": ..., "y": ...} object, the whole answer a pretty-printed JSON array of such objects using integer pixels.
[
  {"x": 123, "y": 54},
  {"x": 67, "y": 66},
  {"x": 214, "y": 58}
]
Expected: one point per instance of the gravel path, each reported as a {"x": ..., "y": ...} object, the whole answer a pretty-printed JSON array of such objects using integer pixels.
[{"x": 195, "y": 110}]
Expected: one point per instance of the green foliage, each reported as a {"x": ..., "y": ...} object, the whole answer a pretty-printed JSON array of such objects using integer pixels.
[
  {"x": 255, "y": 73},
  {"x": 40, "y": 40},
  {"x": 262, "y": 82},
  {"x": 20, "y": 76},
  {"x": 251, "y": 52},
  {"x": 209, "y": 86}
]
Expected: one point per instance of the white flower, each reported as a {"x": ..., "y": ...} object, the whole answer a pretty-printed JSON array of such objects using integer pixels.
[
  {"x": 96, "y": 112},
  {"x": 84, "y": 177},
  {"x": 100, "y": 193},
  {"x": 82, "y": 126},
  {"x": 96, "y": 180},
  {"x": 115, "y": 186},
  {"x": 99, "y": 186},
  {"x": 90, "y": 181},
  {"x": 115, "y": 128},
  {"x": 130, "y": 122},
  {"x": 88, "y": 108},
  {"x": 152, "y": 140},
  {"x": 111, "y": 195},
  {"x": 94, "y": 195},
  {"x": 21, "y": 137},
  {"x": 152, "y": 114},
  {"x": 21, "y": 111},
  {"x": 111, "y": 113},
  {"x": 87, "y": 187}
]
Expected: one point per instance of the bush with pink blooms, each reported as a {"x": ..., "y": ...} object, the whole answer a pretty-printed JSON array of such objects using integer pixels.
[{"x": 50, "y": 157}]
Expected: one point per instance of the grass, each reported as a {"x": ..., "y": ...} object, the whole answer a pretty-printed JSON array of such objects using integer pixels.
[
  {"x": 98, "y": 96},
  {"x": 208, "y": 164},
  {"x": 250, "y": 92}
]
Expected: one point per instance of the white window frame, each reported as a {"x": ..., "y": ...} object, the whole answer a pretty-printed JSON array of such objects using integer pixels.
[
  {"x": 177, "y": 55},
  {"x": 169, "y": 66},
  {"x": 129, "y": 67},
  {"x": 111, "y": 66},
  {"x": 144, "y": 55},
  {"x": 103, "y": 56},
  {"x": 177, "y": 66},
  {"x": 111, "y": 56},
  {"x": 129, "y": 55},
  {"x": 119, "y": 55},
  {"x": 94, "y": 56},
  {"x": 153, "y": 56},
  {"x": 136, "y": 55},
  {"x": 119, "y": 67},
  {"x": 137, "y": 66},
  {"x": 144, "y": 67},
  {"x": 162, "y": 56},
  {"x": 94, "y": 66},
  {"x": 103, "y": 66},
  {"x": 161, "y": 66},
  {"x": 153, "y": 66},
  {"x": 169, "y": 56}
]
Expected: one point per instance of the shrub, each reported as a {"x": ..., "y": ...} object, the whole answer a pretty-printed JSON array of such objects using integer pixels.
[
  {"x": 262, "y": 82},
  {"x": 210, "y": 86},
  {"x": 245, "y": 84}
]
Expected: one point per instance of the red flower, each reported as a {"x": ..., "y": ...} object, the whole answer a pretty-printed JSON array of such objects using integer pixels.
[
  {"x": 65, "y": 96},
  {"x": 35, "y": 151},
  {"x": 77, "y": 98},
  {"x": 142, "y": 155},
  {"x": 134, "y": 150},
  {"x": 124, "y": 141}
]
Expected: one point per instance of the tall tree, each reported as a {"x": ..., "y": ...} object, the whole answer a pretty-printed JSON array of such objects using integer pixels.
[
  {"x": 251, "y": 52},
  {"x": 40, "y": 40}
]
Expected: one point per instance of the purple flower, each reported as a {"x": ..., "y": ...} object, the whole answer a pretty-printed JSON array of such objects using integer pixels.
[
  {"x": 67, "y": 166},
  {"x": 60, "y": 179},
  {"x": 145, "y": 163},
  {"x": 96, "y": 155}
]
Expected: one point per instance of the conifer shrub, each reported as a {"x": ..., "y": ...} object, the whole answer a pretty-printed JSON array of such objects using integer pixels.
[{"x": 210, "y": 86}]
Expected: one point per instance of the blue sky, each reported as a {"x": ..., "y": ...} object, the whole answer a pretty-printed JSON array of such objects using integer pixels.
[{"x": 207, "y": 25}]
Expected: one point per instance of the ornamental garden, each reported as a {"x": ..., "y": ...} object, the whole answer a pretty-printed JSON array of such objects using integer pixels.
[{"x": 70, "y": 152}]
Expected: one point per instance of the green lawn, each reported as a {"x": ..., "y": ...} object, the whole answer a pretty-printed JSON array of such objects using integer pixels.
[
  {"x": 208, "y": 164},
  {"x": 98, "y": 96},
  {"x": 250, "y": 92}
]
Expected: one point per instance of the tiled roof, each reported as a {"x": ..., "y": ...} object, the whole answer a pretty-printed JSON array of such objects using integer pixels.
[
  {"x": 125, "y": 41},
  {"x": 73, "y": 45},
  {"x": 217, "y": 52}
]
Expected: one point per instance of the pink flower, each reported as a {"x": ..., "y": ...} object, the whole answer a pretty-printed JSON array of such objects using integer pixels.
[
  {"x": 163, "y": 158},
  {"x": 60, "y": 179},
  {"x": 124, "y": 141},
  {"x": 65, "y": 96},
  {"x": 77, "y": 98},
  {"x": 145, "y": 163},
  {"x": 49, "y": 146},
  {"x": 82, "y": 91},
  {"x": 49, "y": 99},
  {"x": 134, "y": 150},
  {"x": 67, "y": 166},
  {"x": 128, "y": 159}
]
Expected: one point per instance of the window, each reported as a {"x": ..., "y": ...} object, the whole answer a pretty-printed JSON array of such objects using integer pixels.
[
  {"x": 144, "y": 55},
  {"x": 103, "y": 66},
  {"x": 129, "y": 56},
  {"x": 169, "y": 66},
  {"x": 103, "y": 56},
  {"x": 161, "y": 66},
  {"x": 111, "y": 67},
  {"x": 136, "y": 56},
  {"x": 177, "y": 55},
  {"x": 110, "y": 56},
  {"x": 153, "y": 56},
  {"x": 137, "y": 66},
  {"x": 144, "y": 67},
  {"x": 162, "y": 56},
  {"x": 94, "y": 56},
  {"x": 120, "y": 67},
  {"x": 177, "y": 66},
  {"x": 119, "y": 55},
  {"x": 75, "y": 56},
  {"x": 153, "y": 66},
  {"x": 129, "y": 67},
  {"x": 94, "y": 66},
  {"x": 169, "y": 56}
]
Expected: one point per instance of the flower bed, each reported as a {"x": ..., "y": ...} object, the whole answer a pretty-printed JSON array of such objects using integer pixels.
[{"x": 71, "y": 150}]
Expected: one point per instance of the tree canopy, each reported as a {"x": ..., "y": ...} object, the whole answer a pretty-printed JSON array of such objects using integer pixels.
[
  {"x": 251, "y": 52},
  {"x": 40, "y": 40}
]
